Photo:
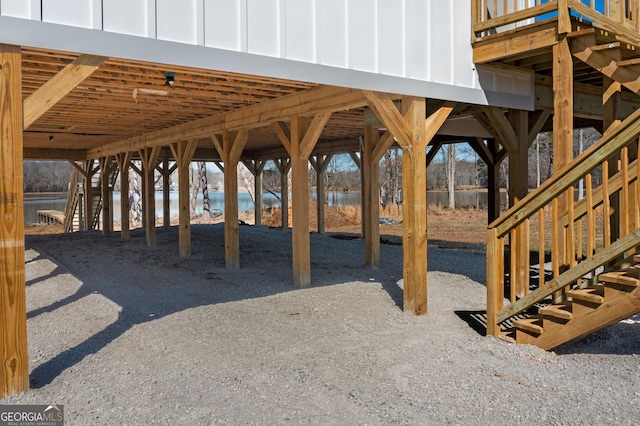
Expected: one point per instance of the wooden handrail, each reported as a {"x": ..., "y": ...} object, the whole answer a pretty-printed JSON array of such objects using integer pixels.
[
  {"x": 515, "y": 223},
  {"x": 611, "y": 142},
  {"x": 615, "y": 184},
  {"x": 482, "y": 22},
  {"x": 572, "y": 275},
  {"x": 514, "y": 17}
]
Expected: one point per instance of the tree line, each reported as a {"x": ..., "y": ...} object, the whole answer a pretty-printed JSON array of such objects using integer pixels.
[{"x": 455, "y": 166}]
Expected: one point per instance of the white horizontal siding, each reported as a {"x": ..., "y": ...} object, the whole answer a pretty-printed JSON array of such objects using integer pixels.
[{"x": 419, "y": 40}]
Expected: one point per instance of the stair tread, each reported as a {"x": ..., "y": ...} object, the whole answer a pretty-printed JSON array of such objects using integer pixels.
[
  {"x": 530, "y": 325},
  {"x": 629, "y": 277},
  {"x": 561, "y": 311},
  {"x": 588, "y": 294}
]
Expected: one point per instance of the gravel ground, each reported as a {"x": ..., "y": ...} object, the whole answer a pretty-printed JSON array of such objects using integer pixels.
[{"x": 121, "y": 333}]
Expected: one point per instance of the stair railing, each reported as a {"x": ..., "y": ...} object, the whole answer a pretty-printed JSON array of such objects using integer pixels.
[
  {"x": 72, "y": 203},
  {"x": 581, "y": 237},
  {"x": 491, "y": 16}
]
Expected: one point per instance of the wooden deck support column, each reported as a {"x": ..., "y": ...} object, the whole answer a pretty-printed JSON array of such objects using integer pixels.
[
  {"x": 320, "y": 164},
  {"x": 284, "y": 165},
  {"x": 166, "y": 172},
  {"x": 371, "y": 207},
  {"x": 183, "y": 153},
  {"x": 105, "y": 172},
  {"x": 14, "y": 368},
  {"x": 303, "y": 139},
  {"x": 124, "y": 162},
  {"x": 413, "y": 134},
  {"x": 611, "y": 102},
  {"x": 230, "y": 149},
  {"x": 562, "y": 129},
  {"x": 256, "y": 167},
  {"x": 149, "y": 157}
]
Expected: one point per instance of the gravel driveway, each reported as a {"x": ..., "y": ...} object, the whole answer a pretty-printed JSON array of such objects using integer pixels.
[{"x": 122, "y": 333}]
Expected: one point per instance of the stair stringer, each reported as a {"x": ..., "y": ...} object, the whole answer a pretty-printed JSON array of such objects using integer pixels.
[{"x": 618, "y": 305}]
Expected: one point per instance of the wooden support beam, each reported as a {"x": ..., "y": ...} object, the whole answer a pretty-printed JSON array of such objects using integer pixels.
[
  {"x": 563, "y": 106},
  {"x": 606, "y": 61},
  {"x": 435, "y": 147},
  {"x": 59, "y": 86},
  {"x": 166, "y": 171},
  {"x": 611, "y": 104},
  {"x": 231, "y": 144},
  {"x": 414, "y": 203},
  {"x": 124, "y": 161},
  {"x": 493, "y": 181},
  {"x": 14, "y": 359},
  {"x": 518, "y": 189},
  {"x": 284, "y": 165},
  {"x": 105, "y": 193},
  {"x": 537, "y": 120},
  {"x": 383, "y": 106},
  {"x": 183, "y": 153},
  {"x": 149, "y": 158},
  {"x": 371, "y": 206},
  {"x": 300, "y": 204},
  {"x": 320, "y": 166},
  {"x": 562, "y": 130},
  {"x": 382, "y": 146},
  {"x": 256, "y": 167},
  {"x": 413, "y": 134},
  {"x": 307, "y": 103}
]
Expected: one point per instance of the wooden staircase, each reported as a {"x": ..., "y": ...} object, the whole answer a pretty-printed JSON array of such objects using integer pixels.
[
  {"x": 614, "y": 297},
  {"x": 75, "y": 216}
]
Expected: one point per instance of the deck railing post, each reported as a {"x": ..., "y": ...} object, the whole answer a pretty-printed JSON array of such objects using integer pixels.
[{"x": 493, "y": 290}]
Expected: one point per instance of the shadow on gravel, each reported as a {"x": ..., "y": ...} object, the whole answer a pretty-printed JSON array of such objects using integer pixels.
[
  {"x": 477, "y": 320},
  {"x": 149, "y": 283}
]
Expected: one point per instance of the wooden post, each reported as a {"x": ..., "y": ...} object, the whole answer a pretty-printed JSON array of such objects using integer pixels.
[
  {"x": 14, "y": 369},
  {"x": 518, "y": 189},
  {"x": 256, "y": 167},
  {"x": 230, "y": 149},
  {"x": 299, "y": 143},
  {"x": 562, "y": 128},
  {"x": 105, "y": 171},
  {"x": 300, "y": 205},
  {"x": 320, "y": 164},
  {"x": 183, "y": 153},
  {"x": 124, "y": 161},
  {"x": 166, "y": 200},
  {"x": 284, "y": 165},
  {"x": 413, "y": 134},
  {"x": 414, "y": 207},
  {"x": 149, "y": 157},
  {"x": 610, "y": 102},
  {"x": 370, "y": 167}
]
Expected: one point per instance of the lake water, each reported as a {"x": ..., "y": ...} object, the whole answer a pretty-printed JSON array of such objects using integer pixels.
[{"x": 35, "y": 202}]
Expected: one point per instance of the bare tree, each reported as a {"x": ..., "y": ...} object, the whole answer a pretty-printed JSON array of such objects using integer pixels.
[
  {"x": 206, "y": 207},
  {"x": 451, "y": 175},
  {"x": 247, "y": 180}
]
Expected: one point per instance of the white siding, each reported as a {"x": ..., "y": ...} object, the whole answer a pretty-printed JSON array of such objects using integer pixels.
[
  {"x": 27, "y": 9},
  {"x": 134, "y": 17},
  {"x": 398, "y": 44},
  {"x": 300, "y": 30},
  {"x": 180, "y": 20},
  {"x": 225, "y": 26}
]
